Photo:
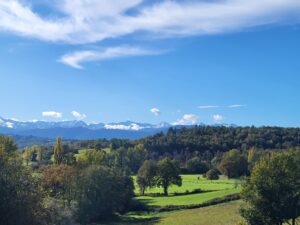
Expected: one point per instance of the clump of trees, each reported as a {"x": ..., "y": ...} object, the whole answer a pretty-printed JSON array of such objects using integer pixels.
[
  {"x": 20, "y": 197},
  {"x": 61, "y": 189},
  {"x": 272, "y": 193},
  {"x": 162, "y": 174},
  {"x": 234, "y": 164},
  {"x": 101, "y": 193}
]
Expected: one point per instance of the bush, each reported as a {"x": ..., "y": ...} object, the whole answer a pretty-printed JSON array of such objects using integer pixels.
[{"x": 212, "y": 174}]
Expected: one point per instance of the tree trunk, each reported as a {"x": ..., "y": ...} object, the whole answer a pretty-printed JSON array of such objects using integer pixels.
[
  {"x": 294, "y": 221},
  {"x": 166, "y": 190}
]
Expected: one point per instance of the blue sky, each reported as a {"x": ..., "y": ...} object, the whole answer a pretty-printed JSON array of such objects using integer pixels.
[{"x": 183, "y": 62}]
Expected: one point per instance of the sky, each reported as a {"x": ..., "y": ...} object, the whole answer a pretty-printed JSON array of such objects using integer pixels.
[{"x": 180, "y": 61}]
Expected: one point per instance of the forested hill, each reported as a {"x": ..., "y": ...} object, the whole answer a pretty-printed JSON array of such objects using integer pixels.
[{"x": 213, "y": 139}]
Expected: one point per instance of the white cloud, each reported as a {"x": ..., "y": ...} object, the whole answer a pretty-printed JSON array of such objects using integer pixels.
[
  {"x": 235, "y": 106},
  {"x": 76, "y": 58},
  {"x": 132, "y": 126},
  {"x": 78, "y": 115},
  {"x": 155, "y": 111},
  {"x": 208, "y": 106},
  {"x": 52, "y": 114},
  {"x": 90, "y": 21},
  {"x": 187, "y": 119},
  {"x": 218, "y": 117},
  {"x": 9, "y": 125}
]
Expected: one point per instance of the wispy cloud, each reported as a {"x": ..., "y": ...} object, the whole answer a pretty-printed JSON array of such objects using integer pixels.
[
  {"x": 208, "y": 106},
  {"x": 52, "y": 114},
  {"x": 236, "y": 106},
  {"x": 218, "y": 118},
  {"x": 75, "y": 59},
  {"x": 187, "y": 119},
  {"x": 78, "y": 115},
  {"x": 88, "y": 21},
  {"x": 155, "y": 111}
]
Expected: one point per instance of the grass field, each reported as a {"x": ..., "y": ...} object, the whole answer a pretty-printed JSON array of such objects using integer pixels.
[
  {"x": 192, "y": 182},
  {"x": 218, "y": 189},
  {"x": 222, "y": 214}
]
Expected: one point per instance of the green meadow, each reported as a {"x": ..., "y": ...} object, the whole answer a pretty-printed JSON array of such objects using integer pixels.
[{"x": 193, "y": 182}]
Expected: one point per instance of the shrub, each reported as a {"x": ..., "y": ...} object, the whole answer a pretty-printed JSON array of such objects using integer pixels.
[{"x": 212, "y": 174}]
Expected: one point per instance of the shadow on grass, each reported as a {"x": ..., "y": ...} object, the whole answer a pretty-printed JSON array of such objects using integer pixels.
[{"x": 132, "y": 220}]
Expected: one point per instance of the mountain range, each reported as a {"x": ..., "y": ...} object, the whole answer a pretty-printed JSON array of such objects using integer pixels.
[{"x": 80, "y": 130}]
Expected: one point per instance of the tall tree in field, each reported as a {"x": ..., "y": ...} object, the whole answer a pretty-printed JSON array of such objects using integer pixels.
[
  {"x": 168, "y": 174},
  {"x": 272, "y": 193},
  {"x": 146, "y": 175},
  {"x": 58, "y": 151}
]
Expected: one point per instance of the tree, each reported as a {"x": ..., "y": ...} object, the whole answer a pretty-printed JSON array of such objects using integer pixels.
[
  {"x": 272, "y": 193},
  {"x": 146, "y": 175},
  {"x": 101, "y": 192},
  {"x": 59, "y": 182},
  {"x": 92, "y": 157},
  {"x": 20, "y": 198},
  {"x": 234, "y": 164},
  {"x": 196, "y": 166},
  {"x": 212, "y": 174},
  {"x": 27, "y": 155},
  {"x": 40, "y": 153},
  {"x": 58, "y": 152},
  {"x": 167, "y": 174},
  {"x": 7, "y": 146}
]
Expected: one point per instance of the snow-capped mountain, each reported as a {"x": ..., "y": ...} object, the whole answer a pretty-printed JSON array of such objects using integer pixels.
[
  {"x": 77, "y": 129},
  {"x": 28, "y": 125}
]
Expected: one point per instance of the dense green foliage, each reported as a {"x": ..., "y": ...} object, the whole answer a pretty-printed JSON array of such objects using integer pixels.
[
  {"x": 234, "y": 164},
  {"x": 20, "y": 198},
  {"x": 212, "y": 174},
  {"x": 272, "y": 192},
  {"x": 146, "y": 176},
  {"x": 101, "y": 193},
  {"x": 167, "y": 174}
]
